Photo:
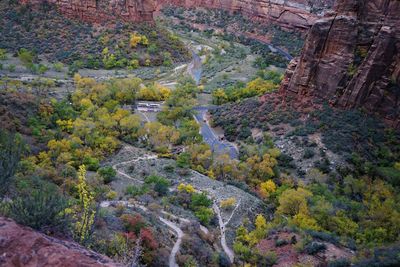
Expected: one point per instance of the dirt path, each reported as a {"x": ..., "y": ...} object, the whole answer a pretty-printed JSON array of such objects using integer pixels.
[
  {"x": 173, "y": 226},
  {"x": 177, "y": 245},
  {"x": 222, "y": 226},
  {"x": 115, "y": 166},
  {"x": 170, "y": 224}
]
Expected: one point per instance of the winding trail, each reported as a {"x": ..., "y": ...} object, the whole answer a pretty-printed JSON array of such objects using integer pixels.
[
  {"x": 170, "y": 224},
  {"x": 115, "y": 166},
  {"x": 222, "y": 227},
  {"x": 177, "y": 245},
  {"x": 173, "y": 226}
]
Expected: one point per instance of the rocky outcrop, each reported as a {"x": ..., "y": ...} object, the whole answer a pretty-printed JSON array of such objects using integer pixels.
[
  {"x": 100, "y": 11},
  {"x": 351, "y": 59},
  {"x": 21, "y": 246},
  {"x": 292, "y": 14}
]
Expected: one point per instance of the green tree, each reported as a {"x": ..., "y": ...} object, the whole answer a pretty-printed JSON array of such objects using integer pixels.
[
  {"x": 11, "y": 149},
  {"x": 108, "y": 174},
  {"x": 41, "y": 209},
  {"x": 26, "y": 56},
  {"x": 183, "y": 160},
  {"x": 204, "y": 215},
  {"x": 293, "y": 201}
]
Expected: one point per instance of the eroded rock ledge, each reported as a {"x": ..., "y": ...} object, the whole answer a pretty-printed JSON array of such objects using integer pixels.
[{"x": 22, "y": 246}]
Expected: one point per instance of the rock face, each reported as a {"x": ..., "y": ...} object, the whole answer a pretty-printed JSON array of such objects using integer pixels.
[
  {"x": 21, "y": 246},
  {"x": 351, "y": 59},
  {"x": 99, "y": 11},
  {"x": 292, "y": 14}
]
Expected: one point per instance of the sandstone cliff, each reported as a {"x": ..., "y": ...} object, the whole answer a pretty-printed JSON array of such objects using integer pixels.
[
  {"x": 21, "y": 246},
  {"x": 351, "y": 59},
  {"x": 99, "y": 11},
  {"x": 293, "y": 14}
]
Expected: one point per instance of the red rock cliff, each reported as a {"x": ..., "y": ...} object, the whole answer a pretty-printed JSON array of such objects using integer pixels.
[
  {"x": 98, "y": 11},
  {"x": 351, "y": 59},
  {"x": 299, "y": 14},
  {"x": 21, "y": 246}
]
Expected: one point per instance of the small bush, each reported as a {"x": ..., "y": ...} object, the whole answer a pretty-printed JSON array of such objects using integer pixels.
[
  {"x": 112, "y": 195},
  {"x": 107, "y": 173},
  {"x": 3, "y": 54},
  {"x": 58, "y": 66},
  {"x": 281, "y": 242},
  {"x": 183, "y": 160},
  {"x": 339, "y": 263},
  {"x": 161, "y": 185},
  {"x": 204, "y": 215},
  {"x": 25, "y": 56},
  {"x": 40, "y": 209},
  {"x": 200, "y": 200},
  {"x": 314, "y": 247},
  {"x": 268, "y": 259},
  {"x": 228, "y": 203},
  {"x": 11, "y": 68},
  {"x": 169, "y": 168},
  {"x": 308, "y": 153},
  {"x": 323, "y": 236},
  {"x": 92, "y": 164},
  {"x": 135, "y": 190},
  {"x": 12, "y": 148}
]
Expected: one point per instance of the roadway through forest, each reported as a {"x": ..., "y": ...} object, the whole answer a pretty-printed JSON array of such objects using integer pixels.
[
  {"x": 211, "y": 138},
  {"x": 209, "y": 135}
]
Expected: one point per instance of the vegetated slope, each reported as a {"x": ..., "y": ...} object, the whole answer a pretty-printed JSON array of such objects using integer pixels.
[
  {"x": 353, "y": 136},
  {"x": 43, "y": 30},
  {"x": 237, "y": 26},
  {"x": 351, "y": 59}
]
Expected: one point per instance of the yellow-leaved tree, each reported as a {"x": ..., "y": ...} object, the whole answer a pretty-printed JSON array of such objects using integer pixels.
[
  {"x": 267, "y": 188},
  {"x": 84, "y": 211}
]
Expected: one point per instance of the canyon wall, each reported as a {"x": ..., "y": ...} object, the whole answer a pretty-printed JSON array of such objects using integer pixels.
[
  {"x": 351, "y": 59},
  {"x": 292, "y": 14},
  {"x": 100, "y": 11}
]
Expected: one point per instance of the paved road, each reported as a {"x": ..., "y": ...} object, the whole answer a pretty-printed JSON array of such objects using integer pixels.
[{"x": 211, "y": 138}]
